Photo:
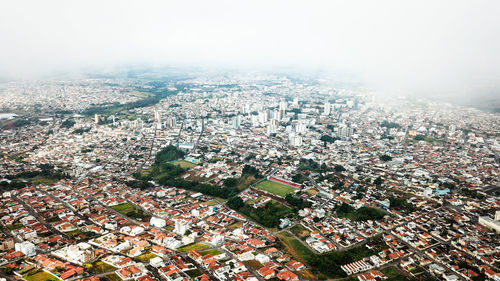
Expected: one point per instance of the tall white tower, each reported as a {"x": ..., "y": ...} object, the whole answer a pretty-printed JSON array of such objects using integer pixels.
[{"x": 327, "y": 108}]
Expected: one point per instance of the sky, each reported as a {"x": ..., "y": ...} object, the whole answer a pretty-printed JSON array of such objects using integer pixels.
[{"x": 420, "y": 45}]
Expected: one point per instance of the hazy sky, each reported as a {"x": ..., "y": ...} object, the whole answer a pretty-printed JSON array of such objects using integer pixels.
[{"x": 410, "y": 44}]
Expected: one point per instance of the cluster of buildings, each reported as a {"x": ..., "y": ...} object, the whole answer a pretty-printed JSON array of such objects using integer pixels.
[{"x": 430, "y": 168}]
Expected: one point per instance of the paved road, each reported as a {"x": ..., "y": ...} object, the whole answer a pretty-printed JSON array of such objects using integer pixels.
[
  {"x": 40, "y": 219},
  {"x": 68, "y": 206}
]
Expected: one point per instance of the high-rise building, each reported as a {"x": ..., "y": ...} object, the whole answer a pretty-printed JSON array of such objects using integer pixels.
[
  {"x": 282, "y": 105},
  {"x": 158, "y": 120},
  {"x": 345, "y": 131},
  {"x": 271, "y": 129},
  {"x": 262, "y": 117},
  {"x": 300, "y": 128},
  {"x": 452, "y": 129},
  {"x": 171, "y": 122},
  {"x": 327, "y": 109},
  {"x": 294, "y": 140},
  {"x": 237, "y": 122}
]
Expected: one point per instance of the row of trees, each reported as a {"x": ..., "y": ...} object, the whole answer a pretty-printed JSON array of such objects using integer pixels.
[
  {"x": 268, "y": 215},
  {"x": 297, "y": 203},
  {"x": 158, "y": 94},
  {"x": 329, "y": 263},
  {"x": 22, "y": 179},
  {"x": 361, "y": 214},
  {"x": 167, "y": 154}
]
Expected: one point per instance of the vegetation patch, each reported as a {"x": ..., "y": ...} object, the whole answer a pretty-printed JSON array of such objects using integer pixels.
[
  {"x": 194, "y": 273},
  {"x": 269, "y": 215},
  {"x": 73, "y": 233},
  {"x": 212, "y": 252},
  {"x": 184, "y": 164},
  {"x": 327, "y": 263},
  {"x": 100, "y": 267},
  {"x": 113, "y": 277},
  {"x": 15, "y": 226},
  {"x": 166, "y": 173},
  {"x": 193, "y": 246},
  {"x": 394, "y": 274},
  {"x": 256, "y": 265},
  {"x": 361, "y": 214},
  {"x": 212, "y": 203},
  {"x": 308, "y": 275},
  {"x": 300, "y": 231},
  {"x": 146, "y": 257},
  {"x": 41, "y": 276},
  {"x": 235, "y": 225},
  {"x": 130, "y": 211},
  {"x": 298, "y": 250}
]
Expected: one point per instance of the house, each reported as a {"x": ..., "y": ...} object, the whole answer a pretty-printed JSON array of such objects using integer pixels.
[
  {"x": 295, "y": 265},
  {"x": 266, "y": 272},
  {"x": 287, "y": 275}
]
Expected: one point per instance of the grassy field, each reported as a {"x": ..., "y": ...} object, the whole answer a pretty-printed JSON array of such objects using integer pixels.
[
  {"x": 245, "y": 181},
  {"x": 194, "y": 273},
  {"x": 43, "y": 181},
  {"x": 298, "y": 250},
  {"x": 212, "y": 203},
  {"x": 15, "y": 226},
  {"x": 194, "y": 246},
  {"x": 394, "y": 274},
  {"x": 73, "y": 232},
  {"x": 311, "y": 191},
  {"x": 256, "y": 265},
  {"x": 212, "y": 252},
  {"x": 100, "y": 267},
  {"x": 146, "y": 257},
  {"x": 183, "y": 164},
  {"x": 307, "y": 275},
  {"x": 275, "y": 188},
  {"x": 130, "y": 210},
  {"x": 40, "y": 276},
  {"x": 300, "y": 231},
  {"x": 113, "y": 277},
  {"x": 123, "y": 207},
  {"x": 235, "y": 225}
]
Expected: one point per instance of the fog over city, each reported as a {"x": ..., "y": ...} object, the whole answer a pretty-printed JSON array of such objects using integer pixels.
[
  {"x": 415, "y": 46},
  {"x": 249, "y": 140}
]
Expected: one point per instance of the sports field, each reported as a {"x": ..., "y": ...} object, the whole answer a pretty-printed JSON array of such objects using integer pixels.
[{"x": 275, "y": 188}]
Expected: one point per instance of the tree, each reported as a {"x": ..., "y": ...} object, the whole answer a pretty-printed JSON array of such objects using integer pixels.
[
  {"x": 327, "y": 138},
  {"x": 378, "y": 181},
  {"x": 339, "y": 168},
  {"x": 230, "y": 182},
  {"x": 345, "y": 208},
  {"x": 68, "y": 123},
  {"x": 235, "y": 202},
  {"x": 298, "y": 203},
  {"x": 168, "y": 154},
  {"x": 250, "y": 170},
  {"x": 419, "y": 138},
  {"x": 385, "y": 158}
]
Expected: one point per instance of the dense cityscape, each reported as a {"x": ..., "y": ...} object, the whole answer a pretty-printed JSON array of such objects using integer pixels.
[{"x": 243, "y": 177}]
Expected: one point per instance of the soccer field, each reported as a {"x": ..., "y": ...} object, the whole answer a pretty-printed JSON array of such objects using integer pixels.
[{"x": 275, "y": 188}]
